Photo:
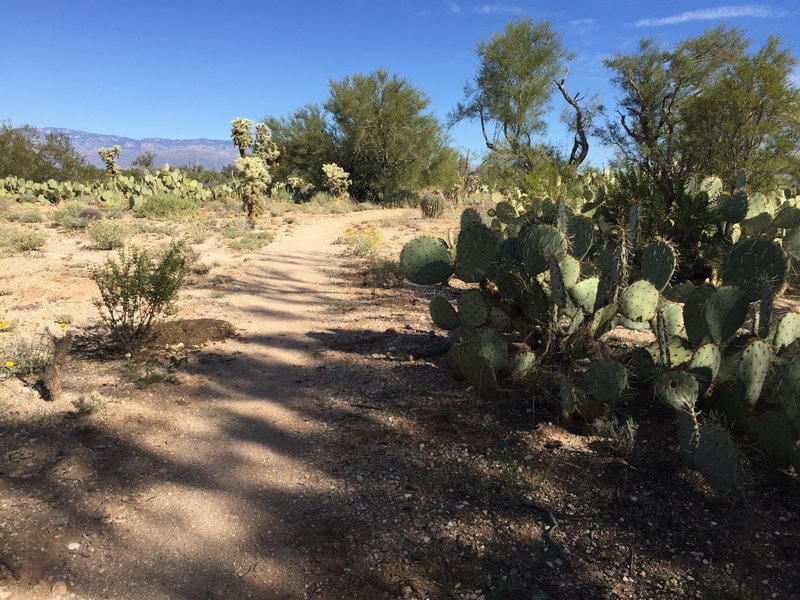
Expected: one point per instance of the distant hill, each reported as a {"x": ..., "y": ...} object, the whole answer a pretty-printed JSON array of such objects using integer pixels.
[{"x": 212, "y": 154}]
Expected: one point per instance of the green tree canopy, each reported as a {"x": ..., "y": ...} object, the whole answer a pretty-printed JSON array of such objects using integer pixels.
[
  {"x": 703, "y": 107},
  {"x": 511, "y": 92},
  {"x": 376, "y": 128},
  {"x": 23, "y": 153}
]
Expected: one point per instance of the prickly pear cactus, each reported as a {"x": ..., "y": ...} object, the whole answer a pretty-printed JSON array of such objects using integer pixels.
[
  {"x": 443, "y": 313},
  {"x": 658, "y": 263},
  {"x": 752, "y": 260},
  {"x": 426, "y": 261},
  {"x": 606, "y": 380},
  {"x": 717, "y": 457},
  {"x": 639, "y": 301}
]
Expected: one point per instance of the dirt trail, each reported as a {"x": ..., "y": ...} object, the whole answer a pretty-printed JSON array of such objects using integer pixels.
[{"x": 232, "y": 506}]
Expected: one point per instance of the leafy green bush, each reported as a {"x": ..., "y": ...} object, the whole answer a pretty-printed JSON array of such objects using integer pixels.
[
  {"x": 21, "y": 240},
  {"x": 383, "y": 273},
  {"x": 252, "y": 240},
  {"x": 136, "y": 291},
  {"x": 107, "y": 235},
  {"x": 24, "y": 215},
  {"x": 73, "y": 216},
  {"x": 165, "y": 206}
]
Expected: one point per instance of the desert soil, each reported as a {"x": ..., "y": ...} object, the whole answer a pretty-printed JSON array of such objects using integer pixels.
[{"x": 324, "y": 451}]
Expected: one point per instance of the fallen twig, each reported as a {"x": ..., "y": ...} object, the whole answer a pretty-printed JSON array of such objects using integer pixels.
[{"x": 566, "y": 556}]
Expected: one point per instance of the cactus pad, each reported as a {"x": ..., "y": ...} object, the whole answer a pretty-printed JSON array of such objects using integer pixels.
[
  {"x": 787, "y": 331},
  {"x": 580, "y": 232},
  {"x": 584, "y": 294},
  {"x": 752, "y": 369},
  {"x": 788, "y": 217},
  {"x": 717, "y": 457},
  {"x": 694, "y": 316},
  {"x": 788, "y": 391},
  {"x": 639, "y": 301},
  {"x": 752, "y": 259},
  {"x": 426, "y": 261},
  {"x": 676, "y": 389},
  {"x": 541, "y": 243},
  {"x": 705, "y": 365},
  {"x": 605, "y": 380},
  {"x": 673, "y": 320},
  {"x": 658, "y": 263},
  {"x": 505, "y": 212},
  {"x": 500, "y": 320},
  {"x": 476, "y": 250},
  {"x": 725, "y": 312},
  {"x": 521, "y": 364},
  {"x": 473, "y": 310},
  {"x": 774, "y": 433},
  {"x": 688, "y": 433},
  {"x": 475, "y": 369},
  {"x": 443, "y": 314}
]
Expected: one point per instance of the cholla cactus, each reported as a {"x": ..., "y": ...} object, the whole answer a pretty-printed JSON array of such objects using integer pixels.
[
  {"x": 337, "y": 179},
  {"x": 109, "y": 156},
  {"x": 242, "y": 134},
  {"x": 252, "y": 187},
  {"x": 299, "y": 186},
  {"x": 263, "y": 146}
]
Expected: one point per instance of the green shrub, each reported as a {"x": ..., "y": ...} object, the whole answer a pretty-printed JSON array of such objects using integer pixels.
[
  {"x": 384, "y": 273},
  {"x": 73, "y": 216},
  {"x": 24, "y": 215},
  {"x": 27, "y": 357},
  {"x": 362, "y": 241},
  {"x": 136, "y": 291},
  {"x": 21, "y": 240},
  {"x": 107, "y": 235},
  {"x": 252, "y": 240},
  {"x": 164, "y": 207},
  {"x": 236, "y": 228}
]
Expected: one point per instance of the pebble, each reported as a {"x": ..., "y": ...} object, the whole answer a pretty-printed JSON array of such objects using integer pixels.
[
  {"x": 406, "y": 591},
  {"x": 59, "y": 588},
  {"x": 73, "y": 546}
]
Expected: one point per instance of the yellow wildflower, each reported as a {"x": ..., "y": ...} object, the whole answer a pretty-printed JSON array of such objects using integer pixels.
[
  {"x": 9, "y": 363},
  {"x": 4, "y": 325}
]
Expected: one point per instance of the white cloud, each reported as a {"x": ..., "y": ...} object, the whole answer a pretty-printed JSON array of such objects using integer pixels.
[
  {"x": 581, "y": 22},
  {"x": 491, "y": 9},
  {"x": 710, "y": 14},
  {"x": 453, "y": 8}
]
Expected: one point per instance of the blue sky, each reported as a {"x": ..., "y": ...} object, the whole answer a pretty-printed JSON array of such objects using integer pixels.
[{"x": 184, "y": 69}]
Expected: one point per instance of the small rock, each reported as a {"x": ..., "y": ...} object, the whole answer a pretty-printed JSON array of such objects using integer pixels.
[
  {"x": 406, "y": 591},
  {"x": 73, "y": 546},
  {"x": 59, "y": 588},
  {"x": 392, "y": 349}
]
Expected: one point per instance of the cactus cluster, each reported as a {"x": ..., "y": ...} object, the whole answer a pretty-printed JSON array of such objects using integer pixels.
[
  {"x": 337, "y": 179},
  {"x": 546, "y": 281}
]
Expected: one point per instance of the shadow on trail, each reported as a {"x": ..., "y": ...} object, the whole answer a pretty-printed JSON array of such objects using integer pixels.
[{"x": 407, "y": 481}]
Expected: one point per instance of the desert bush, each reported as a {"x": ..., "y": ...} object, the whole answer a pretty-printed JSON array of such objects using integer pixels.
[
  {"x": 22, "y": 240},
  {"x": 620, "y": 436},
  {"x": 235, "y": 228},
  {"x": 383, "y": 273},
  {"x": 164, "y": 207},
  {"x": 88, "y": 405},
  {"x": 136, "y": 291},
  {"x": 73, "y": 216},
  {"x": 362, "y": 241},
  {"x": 107, "y": 235},
  {"x": 27, "y": 356},
  {"x": 252, "y": 240},
  {"x": 23, "y": 215}
]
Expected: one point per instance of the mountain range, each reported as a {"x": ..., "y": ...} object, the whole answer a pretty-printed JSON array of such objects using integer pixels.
[{"x": 211, "y": 154}]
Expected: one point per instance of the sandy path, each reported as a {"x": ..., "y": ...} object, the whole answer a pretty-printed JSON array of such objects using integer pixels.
[{"x": 237, "y": 507}]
